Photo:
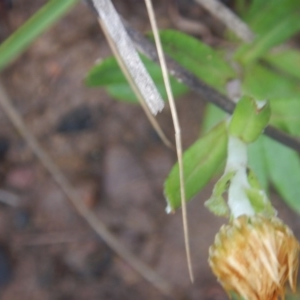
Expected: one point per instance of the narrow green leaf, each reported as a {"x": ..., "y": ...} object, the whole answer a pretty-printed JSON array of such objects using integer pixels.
[
  {"x": 284, "y": 170},
  {"x": 198, "y": 58},
  {"x": 108, "y": 74},
  {"x": 286, "y": 60},
  {"x": 274, "y": 23},
  {"x": 36, "y": 25},
  {"x": 201, "y": 161}
]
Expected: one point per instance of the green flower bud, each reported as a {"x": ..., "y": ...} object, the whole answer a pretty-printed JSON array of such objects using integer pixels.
[{"x": 249, "y": 119}]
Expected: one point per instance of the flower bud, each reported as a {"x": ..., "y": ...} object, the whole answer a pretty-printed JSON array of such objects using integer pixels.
[{"x": 254, "y": 257}]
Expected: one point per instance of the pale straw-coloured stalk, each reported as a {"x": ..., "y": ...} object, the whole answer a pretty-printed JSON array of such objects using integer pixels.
[
  {"x": 89, "y": 215},
  {"x": 176, "y": 128}
]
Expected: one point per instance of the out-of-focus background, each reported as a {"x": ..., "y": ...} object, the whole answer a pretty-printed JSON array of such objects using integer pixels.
[{"x": 113, "y": 158}]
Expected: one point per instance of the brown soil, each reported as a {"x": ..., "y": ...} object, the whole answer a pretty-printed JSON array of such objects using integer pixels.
[{"x": 114, "y": 160}]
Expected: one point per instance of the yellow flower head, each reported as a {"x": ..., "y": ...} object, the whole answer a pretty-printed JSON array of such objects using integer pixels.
[{"x": 254, "y": 257}]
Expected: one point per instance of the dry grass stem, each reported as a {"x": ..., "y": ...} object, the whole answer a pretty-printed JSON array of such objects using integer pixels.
[
  {"x": 145, "y": 271},
  {"x": 130, "y": 63},
  {"x": 132, "y": 83},
  {"x": 176, "y": 128}
]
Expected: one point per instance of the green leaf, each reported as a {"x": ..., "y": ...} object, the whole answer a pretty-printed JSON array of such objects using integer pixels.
[
  {"x": 123, "y": 92},
  {"x": 260, "y": 202},
  {"x": 273, "y": 24},
  {"x": 258, "y": 197},
  {"x": 198, "y": 58},
  {"x": 263, "y": 15},
  {"x": 212, "y": 116},
  {"x": 249, "y": 119},
  {"x": 263, "y": 83},
  {"x": 36, "y": 25},
  {"x": 108, "y": 74},
  {"x": 283, "y": 166},
  {"x": 257, "y": 161},
  {"x": 201, "y": 161},
  {"x": 254, "y": 10},
  {"x": 216, "y": 203},
  {"x": 282, "y": 93},
  {"x": 286, "y": 60},
  {"x": 285, "y": 114},
  {"x": 241, "y": 7}
]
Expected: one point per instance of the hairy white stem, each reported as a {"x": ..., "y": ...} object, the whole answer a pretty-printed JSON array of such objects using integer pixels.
[{"x": 238, "y": 200}]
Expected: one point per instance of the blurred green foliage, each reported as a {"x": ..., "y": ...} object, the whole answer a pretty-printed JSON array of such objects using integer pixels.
[{"x": 20, "y": 40}]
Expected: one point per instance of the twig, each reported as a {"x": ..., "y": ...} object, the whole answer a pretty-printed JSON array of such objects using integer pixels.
[
  {"x": 150, "y": 117},
  {"x": 146, "y": 272},
  {"x": 225, "y": 15},
  {"x": 205, "y": 91},
  {"x": 124, "y": 50},
  {"x": 176, "y": 129},
  {"x": 130, "y": 63}
]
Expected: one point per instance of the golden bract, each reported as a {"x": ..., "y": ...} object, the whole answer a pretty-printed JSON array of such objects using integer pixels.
[{"x": 254, "y": 257}]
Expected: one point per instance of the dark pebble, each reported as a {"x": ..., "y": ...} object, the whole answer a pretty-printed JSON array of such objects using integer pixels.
[{"x": 76, "y": 120}]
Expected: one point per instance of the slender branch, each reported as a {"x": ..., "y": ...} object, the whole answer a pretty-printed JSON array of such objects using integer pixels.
[
  {"x": 231, "y": 21},
  {"x": 205, "y": 91},
  {"x": 162, "y": 62},
  {"x": 129, "y": 62},
  {"x": 134, "y": 87},
  {"x": 283, "y": 138},
  {"x": 136, "y": 72},
  {"x": 145, "y": 271}
]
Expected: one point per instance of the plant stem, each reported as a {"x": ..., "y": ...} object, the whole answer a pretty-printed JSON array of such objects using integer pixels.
[{"x": 238, "y": 200}]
